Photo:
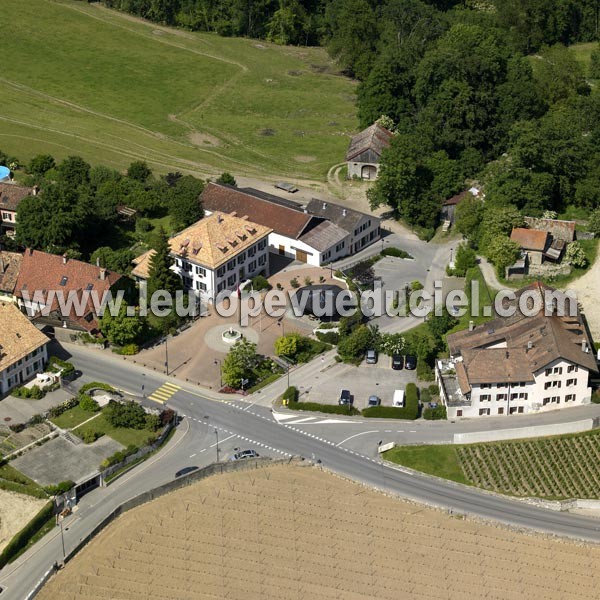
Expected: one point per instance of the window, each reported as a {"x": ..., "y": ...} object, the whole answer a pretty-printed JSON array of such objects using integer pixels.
[
  {"x": 187, "y": 282},
  {"x": 484, "y": 412},
  {"x": 520, "y": 409},
  {"x": 221, "y": 271},
  {"x": 340, "y": 246},
  {"x": 523, "y": 396},
  {"x": 177, "y": 262},
  {"x": 241, "y": 258},
  {"x": 6, "y": 216},
  {"x": 459, "y": 412},
  {"x": 557, "y": 370},
  {"x": 485, "y": 386},
  {"x": 201, "y": 271},
  {"x": 548, "y": 372},
  {"x": 231, "y": 265},
  {"x": 221, "y": 286},
  {"x": 485, "y": 398},
  {"x": 252, "y": 266},
  {"x": 501, "y": 410},
  {"x": 514, "y": 396},
  {"x": 500, "y": 397},
  {"x": 572, "y": 369},
  {"x": 501, "y": 385},
  {"x": 252, "y": 251},
  {"x": 262, "y": 244},
  {"x": 545, "y": 401},
  {"x": 571, "y": 382},
  {"x": 201, "y": 286},
  {"x": 552, "y": 384},
  {"x": 262, "y": 259},
  {"x": 231, "y": 280},
  {"x": 570, "y": 398}
]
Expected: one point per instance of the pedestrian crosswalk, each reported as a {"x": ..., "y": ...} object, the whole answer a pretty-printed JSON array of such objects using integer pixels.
[
  {"x": 164, "y": 392},
  {"x": 290, "y": 419}
]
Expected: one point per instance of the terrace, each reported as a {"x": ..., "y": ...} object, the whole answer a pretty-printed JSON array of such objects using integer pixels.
[{"x": 445, "y": 376}]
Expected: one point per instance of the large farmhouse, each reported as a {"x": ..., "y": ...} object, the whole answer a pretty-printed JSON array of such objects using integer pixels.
[
  {"x": 519, "y": 364},
  {"x": 11, "y": 196},
  {"x": 318, "y": 233}
]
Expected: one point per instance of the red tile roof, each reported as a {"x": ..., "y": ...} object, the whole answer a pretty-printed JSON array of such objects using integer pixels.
[
  {"x": 530, "y": 239},
  {"x": 44, "y": 272},
  {"x": 12, "y": 194},
  {"x": 281, "y": 219}
]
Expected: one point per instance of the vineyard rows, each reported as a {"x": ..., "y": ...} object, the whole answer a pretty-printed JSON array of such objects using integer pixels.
[{"x": 547, "y": 468}]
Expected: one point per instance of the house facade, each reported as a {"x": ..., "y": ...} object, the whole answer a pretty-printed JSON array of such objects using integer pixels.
[
  {"x": 316, "y": 234},
  {"x": 216, "y": 254},
  {"x": 518, "y": 365},
  {"x": 364, "y": 151},
  {"x": 23, "y": 351},
  {"x": 11, "y": 196}
]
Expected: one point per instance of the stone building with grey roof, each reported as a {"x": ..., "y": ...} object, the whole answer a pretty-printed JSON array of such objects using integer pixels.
[
  {"x": 364, "y": 151},
  {"x": 520, "y": 364}
]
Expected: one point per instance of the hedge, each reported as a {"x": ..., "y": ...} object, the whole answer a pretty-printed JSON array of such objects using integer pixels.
[
  {"x": 21, "y": 539},
  {"x": 331, "y": 337},
  {"x": 396, "y": 252},
  {"x": 434, "y": 414},
  {"x": 324, "y": 408},
  {"x": 96, "y": 385},
  {"x": 291, "y": 394},
  {"x": 410, "y": 411},
  {"x": 56, "y": 363}
]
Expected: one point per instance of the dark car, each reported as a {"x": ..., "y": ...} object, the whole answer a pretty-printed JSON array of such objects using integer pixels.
[
  {"x": 397, "y": 362},
  {"x": 244, "y": 454},
  {"x": 185, "y": 471},
  {"x": 410, "y": 362},
  {"x": 371, "y": 356},
  {"x": 345, "y": 398},
  {"x": 373, "y": 401}
]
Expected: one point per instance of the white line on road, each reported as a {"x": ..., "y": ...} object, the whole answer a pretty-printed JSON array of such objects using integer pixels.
[
  {"x": 356, "y": 435},
  {"x": 192, "y": 455},
  {"x": 221, "y": 441}
]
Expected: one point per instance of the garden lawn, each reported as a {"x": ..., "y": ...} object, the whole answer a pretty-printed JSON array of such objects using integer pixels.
[
  {"x": 123, "y": 435},
  {"x": 72, "y": 417},
  {"x": 14, "y": 481}
]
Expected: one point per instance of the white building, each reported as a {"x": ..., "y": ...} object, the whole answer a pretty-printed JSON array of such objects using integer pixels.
[
  {"x": 518, "y": 365},
  {"x": 316, "y": 234},
  {"x": 217, "y": 253},
  {"x": 23, "y": 350}
]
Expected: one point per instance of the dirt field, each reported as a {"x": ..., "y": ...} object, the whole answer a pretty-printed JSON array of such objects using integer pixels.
[
  {"x": 16, "y": 510},
  {"x": 296, "y": 532},
  {"x": 588, "y": 288}
]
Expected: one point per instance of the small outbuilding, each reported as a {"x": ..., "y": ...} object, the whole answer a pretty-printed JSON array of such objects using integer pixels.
[{"x": 364, "y": 152}]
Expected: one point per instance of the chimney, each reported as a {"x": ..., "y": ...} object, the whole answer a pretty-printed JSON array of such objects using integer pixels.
[
  {"x": 344, "y": 213},
  {"x": 324, "y": 205},
  {"x": 584, "y": 346},
  {"x": 65, "y": 258},
  {"x": 102, "y": 274},
  {"x": 98, "y": 261},
  {"x": 471, "y": 325},
  {"x": 529, "y": 345}
]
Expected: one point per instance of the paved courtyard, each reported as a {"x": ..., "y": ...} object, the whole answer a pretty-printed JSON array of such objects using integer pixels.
[
  {"x": 61, "y": 460},
  {"x": 363, "y": 381},
  {"x": 20, "y": 410}
]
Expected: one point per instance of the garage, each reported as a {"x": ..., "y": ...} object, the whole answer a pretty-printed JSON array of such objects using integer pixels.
[{"x": 301, "y": 256}]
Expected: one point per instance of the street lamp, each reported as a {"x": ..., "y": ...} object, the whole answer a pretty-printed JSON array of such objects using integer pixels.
[
  {"x": 451, "y": 251},
  {"x": 144, "y": 386},
  {"x": 281, "y": 324},
  {"x": 219, "y": 362},
  {"x": 166, "y": 354},
  {"x": 217, "y": 434}
]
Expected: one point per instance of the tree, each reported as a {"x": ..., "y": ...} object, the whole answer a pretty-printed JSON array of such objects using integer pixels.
[
  {"x": 594, "y": 222},
  {"x": 41, "y": 164},
  {"x": 465, "y": 259},
  {"x": 160, "y": 275},
  {"x": 125, "y": 414},
  {"x": 497, "y": 223},
  {"x": 185, "y": 207},
  {"x": 139, "y": 170},
  {"x": 73, "y": 172},
  {"x": 240, "y": 363},
  {"x": 287, "y": 24},
  {"x": 356, "y": 344},
  {"x": 226, "y": 179},
  {"x": 439, "y": 325},
  {"x": 121, "y": 329},
  {"x": 503, "y": 252},
  {"x": 287, "y": 345},
  {"x": 468, "y": 217},
  {"x": 113, "y": 260},
  {"x": 595, "y": 63},
  {"x": 575, "y": 256}
]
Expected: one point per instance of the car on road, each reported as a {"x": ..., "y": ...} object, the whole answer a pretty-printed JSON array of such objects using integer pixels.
[
  {"x": 397, "y": 362},
  {"x": 185, "y": 471},
  {"x": 245, "y": 454},
  {"x": 373, "y": 401},
  {"x": 345, "y": 398},
  {"x": 372, "y": 356},
  {"x": 410, "y": 362}
]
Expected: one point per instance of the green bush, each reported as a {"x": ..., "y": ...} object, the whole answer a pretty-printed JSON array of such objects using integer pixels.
[
  {"x": 260, "y": 283},
  {"x": 60, "y": 488},
  {"x": 324, "y": 408},
  {"x": 56, "y": 411},
  {"x": 396, "y": 252},
  {"x": 127, "y": 350},
  {"x": 20, "y": 541},
  {"x": 126, "y": 414},
  {"x": 35, "y": 392},
  {"x": 425, "y": 395},
  {"x": 291, "y": 394},
  {"x": 88, "y": 404},
  {"x": 434, "y": 414},
  {"x": 89, "y": 436},
  {"x": 56, "y": 364},
  {"x": 96, "y": 385},
  {"x": 424, "y": 371},
  {"x": 152, "y": 422},
  {"x": 329, "y": 337},
  {"x": 294, "y": 283},
  {"x": 596, "y": 397}
]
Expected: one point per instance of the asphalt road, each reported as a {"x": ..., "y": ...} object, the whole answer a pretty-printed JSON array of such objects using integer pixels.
[{"x": 242, "y": 424}]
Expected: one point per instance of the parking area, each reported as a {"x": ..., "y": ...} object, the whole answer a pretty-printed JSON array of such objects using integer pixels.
[{"x": 363, "y": 381}]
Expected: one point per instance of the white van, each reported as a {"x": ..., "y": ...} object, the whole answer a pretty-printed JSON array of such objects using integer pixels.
[{"x": 398, "y": 399}]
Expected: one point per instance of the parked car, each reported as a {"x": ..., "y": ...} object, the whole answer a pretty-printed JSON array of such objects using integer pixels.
[
  {"x": 373, "y": 401},
  {"x": 185, "y": 471},
  {"x": 397, "y": 362},
  {"x": 433, "y": 405},
  {"x": 410, "y": 362},
  {"x": 345, "y": 398},
  {"x": 245, "y": 454},
  {"x": 286, "y": 187},
  {"x": 372, "y": 356},
  {"x": 398, "y": 399}
]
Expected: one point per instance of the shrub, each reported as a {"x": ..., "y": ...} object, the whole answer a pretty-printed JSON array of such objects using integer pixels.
[
  {"x": 416, "y": 285},
  {"x": 294, "y": 283},
  {"x": 55, "y": 364},
  {"x": 127, "y": 350},
  {"x": 89, "y": 436},
  {"x": 166, "y": 416},
  {"x": 87, "y": 403},
  {"x": 424, "y": 371},
  {"x": 260, "y": 283},
  {"x": 17, "y": 427},
  {"x": 291, "y": 394},
  {"x": 396, "y": 252},
  {"x": 321, "y": 279},
  {"x": 35, "y": 392},
  {"x": 434, "y": 414},
  {"x": 330, "y": 337},
  {"x": 127, "y": 414},
  {"x": 324, "y": 408},
  {"x": 308, "y": 280},
  {"x": 20, "y": 541},
  {"x": 152, "y": 422},
  {"x": 56, "y": 411},
  {"x": 143, "y": 225},
  {"x": 59, "y": 488},
  {"x": 596, "y": 397}
]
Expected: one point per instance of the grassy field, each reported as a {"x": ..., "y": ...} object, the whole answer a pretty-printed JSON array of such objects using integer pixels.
[
  {"x": 72, "y": 417},
  {"x": 14, "y": 481},
  {"x": 123, "y": 435},
  {"x": 84, "y": 79},
  {"x": 554, "y": 468}
]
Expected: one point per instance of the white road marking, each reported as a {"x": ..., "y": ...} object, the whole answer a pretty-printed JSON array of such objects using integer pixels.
[
  {"x": 192, "y": 455},
  {"x": 302, "y": 420},
  {"x": 356, "y": 435}
]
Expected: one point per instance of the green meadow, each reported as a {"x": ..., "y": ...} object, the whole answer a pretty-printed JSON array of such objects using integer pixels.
[{"x": 78, "y": 78}]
